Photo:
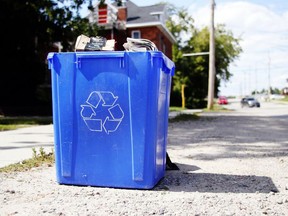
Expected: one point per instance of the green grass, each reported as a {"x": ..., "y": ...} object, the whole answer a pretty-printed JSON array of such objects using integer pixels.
[
  {"x": 285, "y": 99},
  {"x": 184, "y": 117},
  {"x": 12, "y": 123},
  {"x": 281, "y": 101},
  {"x": 171, "y": 109},
  {"x": 38, "y": 159},
  {"x": 216, "y": 108}
]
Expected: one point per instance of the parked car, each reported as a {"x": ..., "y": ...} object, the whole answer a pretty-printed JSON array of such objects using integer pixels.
[
  {"x": 222, "y": 100},
  {"x": 249, "y": 102}
]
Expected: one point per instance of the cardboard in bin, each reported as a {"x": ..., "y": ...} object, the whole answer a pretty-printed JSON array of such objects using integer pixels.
[{"x": 110, "y": 116}]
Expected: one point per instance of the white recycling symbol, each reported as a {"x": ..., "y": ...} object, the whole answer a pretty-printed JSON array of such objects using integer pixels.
[{"x": 101, "y": 113}]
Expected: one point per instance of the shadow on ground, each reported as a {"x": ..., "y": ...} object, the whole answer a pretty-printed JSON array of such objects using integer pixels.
[{"x": 188, "y": 180}]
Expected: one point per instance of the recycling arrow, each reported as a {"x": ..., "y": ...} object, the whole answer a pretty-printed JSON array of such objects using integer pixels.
[
  {"x": 101, "y": 113},
  {"x": 111, "y": 125}
]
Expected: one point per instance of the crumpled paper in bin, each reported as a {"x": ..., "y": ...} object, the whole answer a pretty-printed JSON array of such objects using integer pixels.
[
  {"x": 133, "y": 44},
  {"x": 84, "y": 43}
]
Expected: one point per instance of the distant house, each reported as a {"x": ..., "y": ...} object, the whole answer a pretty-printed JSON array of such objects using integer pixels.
[{"x": 130, "y": 20}]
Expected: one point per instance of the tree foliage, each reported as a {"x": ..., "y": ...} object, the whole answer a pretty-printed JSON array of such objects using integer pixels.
[
  {"x": 192, "y": 71},
  {"x": 29, "y": 30}
]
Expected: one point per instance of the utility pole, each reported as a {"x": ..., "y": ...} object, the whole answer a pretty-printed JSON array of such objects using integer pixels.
[
  {"x": 256, "y": 83},
  {"x": 269, "y": 82},
  {"x": 211, "y": 81}
]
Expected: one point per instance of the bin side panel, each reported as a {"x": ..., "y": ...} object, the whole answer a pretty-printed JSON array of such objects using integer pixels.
[
  {"x": 63, "y": 111},
  {"x": 139, "y": 113},
  {"x": 162, "y": 118},
  {"x": 150, "y": 114}
]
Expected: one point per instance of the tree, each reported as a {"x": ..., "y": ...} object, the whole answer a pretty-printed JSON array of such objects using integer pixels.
[
  {"x": 193, "y": 71},
  {"x": 181, "y": 78},
  {"x": 29, "y": 30}
]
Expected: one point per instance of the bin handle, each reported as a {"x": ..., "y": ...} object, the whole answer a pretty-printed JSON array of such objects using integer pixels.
[
  {"x": 50, "y": 60},
  {"x": 168, "y": 66},
  {"x": 98, "y": 55}
]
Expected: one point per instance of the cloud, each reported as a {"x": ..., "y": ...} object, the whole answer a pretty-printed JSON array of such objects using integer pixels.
[{"x": 251, "y": 17}]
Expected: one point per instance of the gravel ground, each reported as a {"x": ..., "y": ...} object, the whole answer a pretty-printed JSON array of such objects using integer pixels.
[{"x": 233, "y": 163}]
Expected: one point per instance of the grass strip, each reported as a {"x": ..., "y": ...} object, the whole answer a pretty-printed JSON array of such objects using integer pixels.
[
  {"x": 38, "y": 159},
  {"x": 12, "y": 123}
]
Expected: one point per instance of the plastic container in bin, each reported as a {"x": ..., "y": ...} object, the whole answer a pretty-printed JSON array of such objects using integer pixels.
[{"x": 110, "y": 115}]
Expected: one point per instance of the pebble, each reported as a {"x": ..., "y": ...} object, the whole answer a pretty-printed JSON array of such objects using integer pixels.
[{"x": 10, "y": 191}]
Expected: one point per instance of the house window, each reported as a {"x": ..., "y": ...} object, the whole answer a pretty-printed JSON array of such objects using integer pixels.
[{"x": 136, "y": 34}]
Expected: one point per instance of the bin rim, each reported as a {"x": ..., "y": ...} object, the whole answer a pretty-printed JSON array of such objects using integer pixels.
[{"x": 169, "y": 66}]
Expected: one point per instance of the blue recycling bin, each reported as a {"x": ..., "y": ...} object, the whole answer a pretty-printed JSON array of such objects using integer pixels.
[{"x": 110, "y": 117}]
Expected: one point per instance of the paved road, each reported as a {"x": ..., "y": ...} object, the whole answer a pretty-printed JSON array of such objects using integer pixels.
[
  {"x": 273, "y": 108},
  {"x": 17, "y": 145}
]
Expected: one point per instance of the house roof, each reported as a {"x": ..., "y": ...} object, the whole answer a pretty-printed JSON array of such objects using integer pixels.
[
  {"x": 140, "y": 15},
  {"x": 147, "y": 16}
]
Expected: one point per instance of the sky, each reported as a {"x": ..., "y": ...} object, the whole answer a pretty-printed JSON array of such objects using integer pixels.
[{"x": 262, "y": 26}]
